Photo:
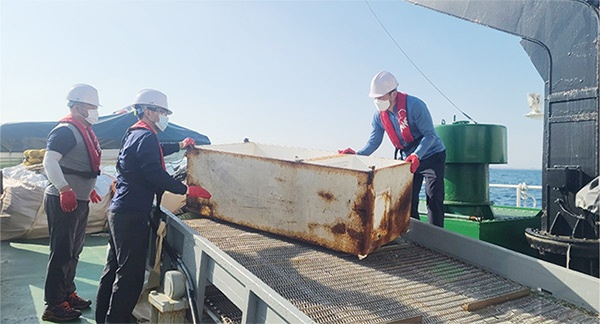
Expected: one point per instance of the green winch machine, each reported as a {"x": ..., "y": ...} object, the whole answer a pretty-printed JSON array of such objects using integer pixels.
[{"x": 470, "y": 149}]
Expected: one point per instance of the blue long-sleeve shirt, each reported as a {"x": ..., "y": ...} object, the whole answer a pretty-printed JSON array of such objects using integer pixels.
[
  {"x": 421, "y": 126},
  {"x": 140, "y": 173}
]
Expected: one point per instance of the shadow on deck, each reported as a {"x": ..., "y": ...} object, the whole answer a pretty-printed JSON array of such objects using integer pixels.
[{"x": 23, "y": 271}]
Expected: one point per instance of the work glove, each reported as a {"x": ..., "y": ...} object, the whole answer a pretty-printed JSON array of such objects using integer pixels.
[
  {"x": 198, "y": 192},
  {"x": 68, "y": 201},
  {"x": 187, "y": 142},
  {"x": 347, "y": 151},
  {"x": 414, "y": 162},
  {"x": 95, "y": 197}
]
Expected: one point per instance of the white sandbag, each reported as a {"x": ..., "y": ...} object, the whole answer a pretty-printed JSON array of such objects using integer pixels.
[
  {"x": 21, "y": 203},
  {"x": 22, "y": 213}
]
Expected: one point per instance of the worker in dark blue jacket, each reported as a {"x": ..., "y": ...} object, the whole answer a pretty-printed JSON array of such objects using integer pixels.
[{"x": 141, "y": 176}]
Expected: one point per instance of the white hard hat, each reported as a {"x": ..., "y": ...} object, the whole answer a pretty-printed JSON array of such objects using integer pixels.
[
  {"x": 152, "y": 97},
  {"x": 382, "y": 83},
  {"x": 84, "y": 93}
]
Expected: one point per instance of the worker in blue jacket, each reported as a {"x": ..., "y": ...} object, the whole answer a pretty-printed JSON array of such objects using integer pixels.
[
  {"x": 141, "y": 176},
  {"x": 408, "y": 124}
]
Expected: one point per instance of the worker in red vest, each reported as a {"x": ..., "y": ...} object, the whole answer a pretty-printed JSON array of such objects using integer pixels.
[
  {"x": 72, "y": 163},
  {"x": 408, "y": 124}
]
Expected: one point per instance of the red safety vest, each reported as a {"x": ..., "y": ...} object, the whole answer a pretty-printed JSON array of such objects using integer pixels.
[
  {"x": 90, "y": 139},
  {"x": 402, "y": 121}
]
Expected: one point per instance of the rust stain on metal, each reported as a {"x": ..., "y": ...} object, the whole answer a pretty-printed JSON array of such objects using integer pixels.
[
  {"x": 363, "y": 208},
  {"x": 344, "y": 236},
  {"x": 357, "y": 236},
  {"x": 326, "y": 195},
  {"x": 385, "y": 227},
  {"x": 395, "y": 221},
  {"x": 370, "y": 177},
  {"x": 339, "y": 228},
  {"x": 201, "y": 206},
  {"x": 192, "y": 151}
]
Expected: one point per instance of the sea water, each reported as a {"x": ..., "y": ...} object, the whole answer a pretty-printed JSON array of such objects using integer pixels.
[{"x": 508, "y": 196}]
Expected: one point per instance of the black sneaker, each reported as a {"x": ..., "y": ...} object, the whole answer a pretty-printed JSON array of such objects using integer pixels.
[
  {"x": 78, "y": 302},
  {"x": 60, "y": 313}
]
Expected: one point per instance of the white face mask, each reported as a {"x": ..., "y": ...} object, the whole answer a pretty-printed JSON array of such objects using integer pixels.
[
  {"x": 382, "y": 105},
  {"x": 92, "y": 117},
  {"x": 162, "y": 123}
]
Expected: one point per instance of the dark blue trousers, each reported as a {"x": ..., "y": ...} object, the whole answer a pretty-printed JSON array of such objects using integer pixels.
[
  {"x": 122, "y": 279},
  {"x": 432, "y": 170},
  {"x": 67, "y": 235}
]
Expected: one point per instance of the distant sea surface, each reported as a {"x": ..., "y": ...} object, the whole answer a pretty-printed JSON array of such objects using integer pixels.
[{"x": 508, "y": 196}]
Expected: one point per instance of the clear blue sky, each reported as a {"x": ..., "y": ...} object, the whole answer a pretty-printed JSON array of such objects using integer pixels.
[{"x": 290, "y": 73}]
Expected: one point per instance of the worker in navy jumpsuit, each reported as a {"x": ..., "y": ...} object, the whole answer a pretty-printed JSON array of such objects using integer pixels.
[{"x": 140, "y": 176}]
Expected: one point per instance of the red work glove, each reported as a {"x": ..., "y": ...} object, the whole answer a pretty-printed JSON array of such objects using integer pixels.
[
  {"x": 188, "y": 142},
  {"x": 95, "y": 197},
  {"x": 68, "y": 201},
  {"x": 414, "y": 162},
  {"x": 347, "y": 151},
  {"x": 198, "y": 192}
]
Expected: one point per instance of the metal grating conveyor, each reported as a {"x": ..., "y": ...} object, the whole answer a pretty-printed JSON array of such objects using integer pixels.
[{"x": 400, "y": 282}]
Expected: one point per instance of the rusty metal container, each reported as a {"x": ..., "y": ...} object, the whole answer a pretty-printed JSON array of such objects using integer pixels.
[{"x": 348, "y": 203}]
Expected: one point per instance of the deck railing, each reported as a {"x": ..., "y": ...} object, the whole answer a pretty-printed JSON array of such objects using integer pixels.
[{"x": 522, "y": 194}]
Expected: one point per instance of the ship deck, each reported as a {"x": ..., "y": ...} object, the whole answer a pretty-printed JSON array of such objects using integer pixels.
[
  {"x": 23, "y": 265},
  {"x": 23, "y": 271}
]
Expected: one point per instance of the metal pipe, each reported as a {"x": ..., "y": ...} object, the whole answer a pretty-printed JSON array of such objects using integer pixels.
[{"x": 465, "y": 217}]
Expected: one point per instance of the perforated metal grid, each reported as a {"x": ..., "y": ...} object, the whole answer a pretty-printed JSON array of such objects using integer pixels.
[{"x": 396, "y": 282}]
